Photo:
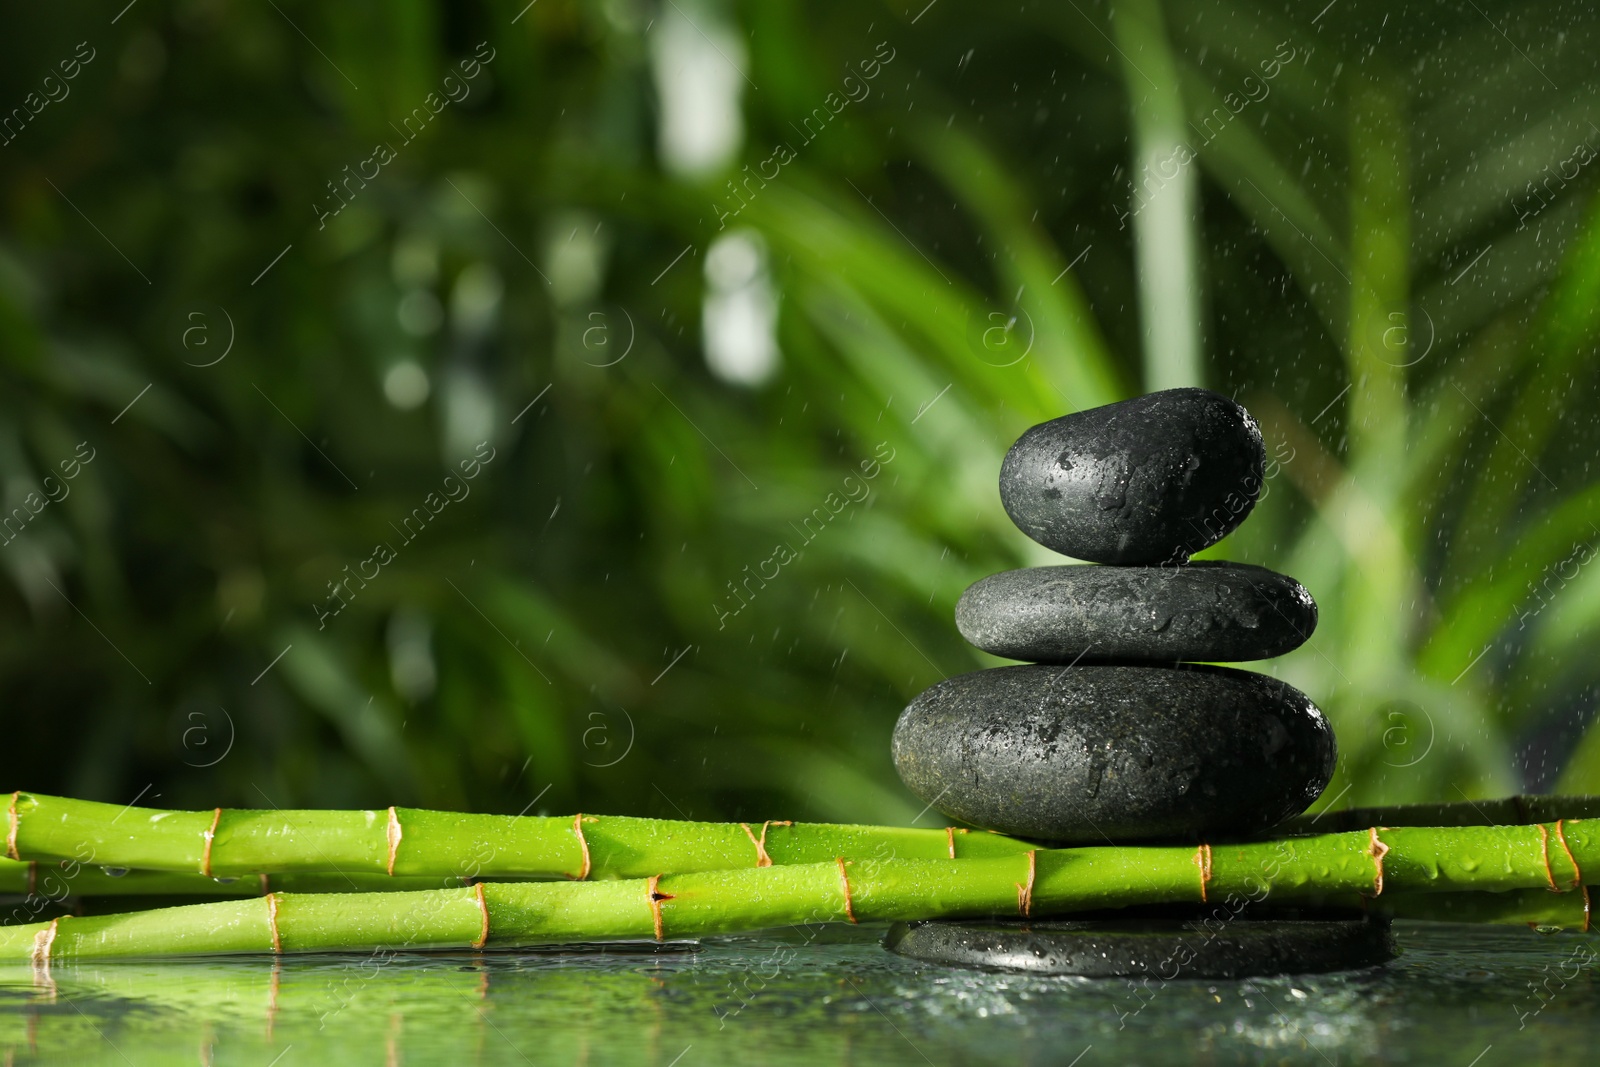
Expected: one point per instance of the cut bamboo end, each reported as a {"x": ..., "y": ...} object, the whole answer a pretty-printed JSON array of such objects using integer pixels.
[
  {"x": 393, "y": 833},
  {"x": 1025, "y": 889},
  {"x": 483, "y": 906},
  {"x": 13, "y": 821},
  {"x": 1577, "y": 874},
  {"x": 844, "y": 881},
  {"x": 655, "y": 898},
  {"x": 577, "y": 828},
  {"x": 1544, "y": 855},
  {"x": 1378, "y": 850},
  {"x": 42, "y": 941},
  {"x": 1202, "y": 860},
  {"x": 272, "y": 922},
  {"x": 762, "y": 859},
  {"x": 210, "y": 835}
]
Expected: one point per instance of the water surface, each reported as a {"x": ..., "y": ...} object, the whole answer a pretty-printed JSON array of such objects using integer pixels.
[{"x": 1469, "y": 996}]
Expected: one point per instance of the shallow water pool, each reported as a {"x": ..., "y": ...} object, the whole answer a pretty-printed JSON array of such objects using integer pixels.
[{"x": 1470, "y": 996}]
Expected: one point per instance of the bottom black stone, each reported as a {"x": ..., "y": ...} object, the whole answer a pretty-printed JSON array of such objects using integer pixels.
[{"x": 1245, "y": 946}]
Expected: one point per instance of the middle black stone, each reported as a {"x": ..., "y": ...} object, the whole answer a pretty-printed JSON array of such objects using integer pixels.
[{"x": 1210, "y": 611}]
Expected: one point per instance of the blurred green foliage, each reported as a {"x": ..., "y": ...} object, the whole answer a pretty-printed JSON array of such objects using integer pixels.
[{"x": 1393, "y": 248}]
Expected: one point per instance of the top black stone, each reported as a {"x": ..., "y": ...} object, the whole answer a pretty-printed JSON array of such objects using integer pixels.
[{"x": 1148, "y": 480}]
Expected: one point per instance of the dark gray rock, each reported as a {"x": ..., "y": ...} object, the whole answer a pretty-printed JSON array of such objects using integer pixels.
[
  {"x": 1148, "y": 480},
  {"x": 1090, "y": 754},
  {"x": 1239, "y": 946},
  {"x": 1202, "y": 611}
]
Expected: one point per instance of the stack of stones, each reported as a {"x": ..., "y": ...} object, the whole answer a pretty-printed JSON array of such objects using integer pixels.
[
  {"x": 1114, "y": 731},
  {"x": 1117, "y": 728}
]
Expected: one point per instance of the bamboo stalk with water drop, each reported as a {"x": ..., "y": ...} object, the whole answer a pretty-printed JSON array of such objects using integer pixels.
[
  {"x": 1034, "y": 884},
  {"x": 59, "y": 880},
  {"x": 414, "y": 842},
  {"x": 90, "y": 849}
]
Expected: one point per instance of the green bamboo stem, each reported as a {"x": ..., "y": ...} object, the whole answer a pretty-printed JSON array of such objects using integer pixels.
[
  {"x": 164, "y": 852},
  {"x": 52, "y": 886},
  {"x": 59, "y": 880},
  {"x": 1504, "y": 811},
  {"x": 417, "y": 842},
  {"x": 1037, "y": 883}
]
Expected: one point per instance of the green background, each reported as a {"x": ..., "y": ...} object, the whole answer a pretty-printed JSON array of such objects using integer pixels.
[{"x": 1392, "y": 259}]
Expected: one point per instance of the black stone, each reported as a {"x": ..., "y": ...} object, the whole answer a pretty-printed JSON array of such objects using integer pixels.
[
  {"x": 1240, "y": 946},
  {"x": 1201, "y": 611},
  {"x": 1149, "y": 480},
  {"x": 1086, "y": 754}
]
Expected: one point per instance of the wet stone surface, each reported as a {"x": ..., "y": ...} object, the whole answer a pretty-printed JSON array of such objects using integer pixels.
[
  {"x": 1210, "y": 611},
  {"x": 1087, "y": 754},
  {"x": 1148, "y": 480}
]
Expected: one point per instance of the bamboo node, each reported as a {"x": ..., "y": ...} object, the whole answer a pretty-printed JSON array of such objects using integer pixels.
[
  {"x": 1202, "y": 860},
  {"x": 577, "y": 828},
  {"x": 42, "y": 941},
  {"x": 655, "y": 897},
  {"x": 483, "y": 906},
  {"x": 950, "y": 833},
  {"x": 265, "y": 887},
  {"x": 762, "y": 844},
  {"x": 1379, "y": 850},
  {"x": 762, "y": 859},
  {"x": 1585, "y": 890},
  {"x": 1025, "y": 889},
  {"x": 393, "y": 834},
  {"x": 1577, "y": 873},
  {"x": 210, "y": 835},
  {"x": 33, "y": 877},
  {"x": 844, "y": 880},
  {"x": 1544, "y": 854},
  {"x": 13, "y": 821},
  {"x": 272, "y": 922}
]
